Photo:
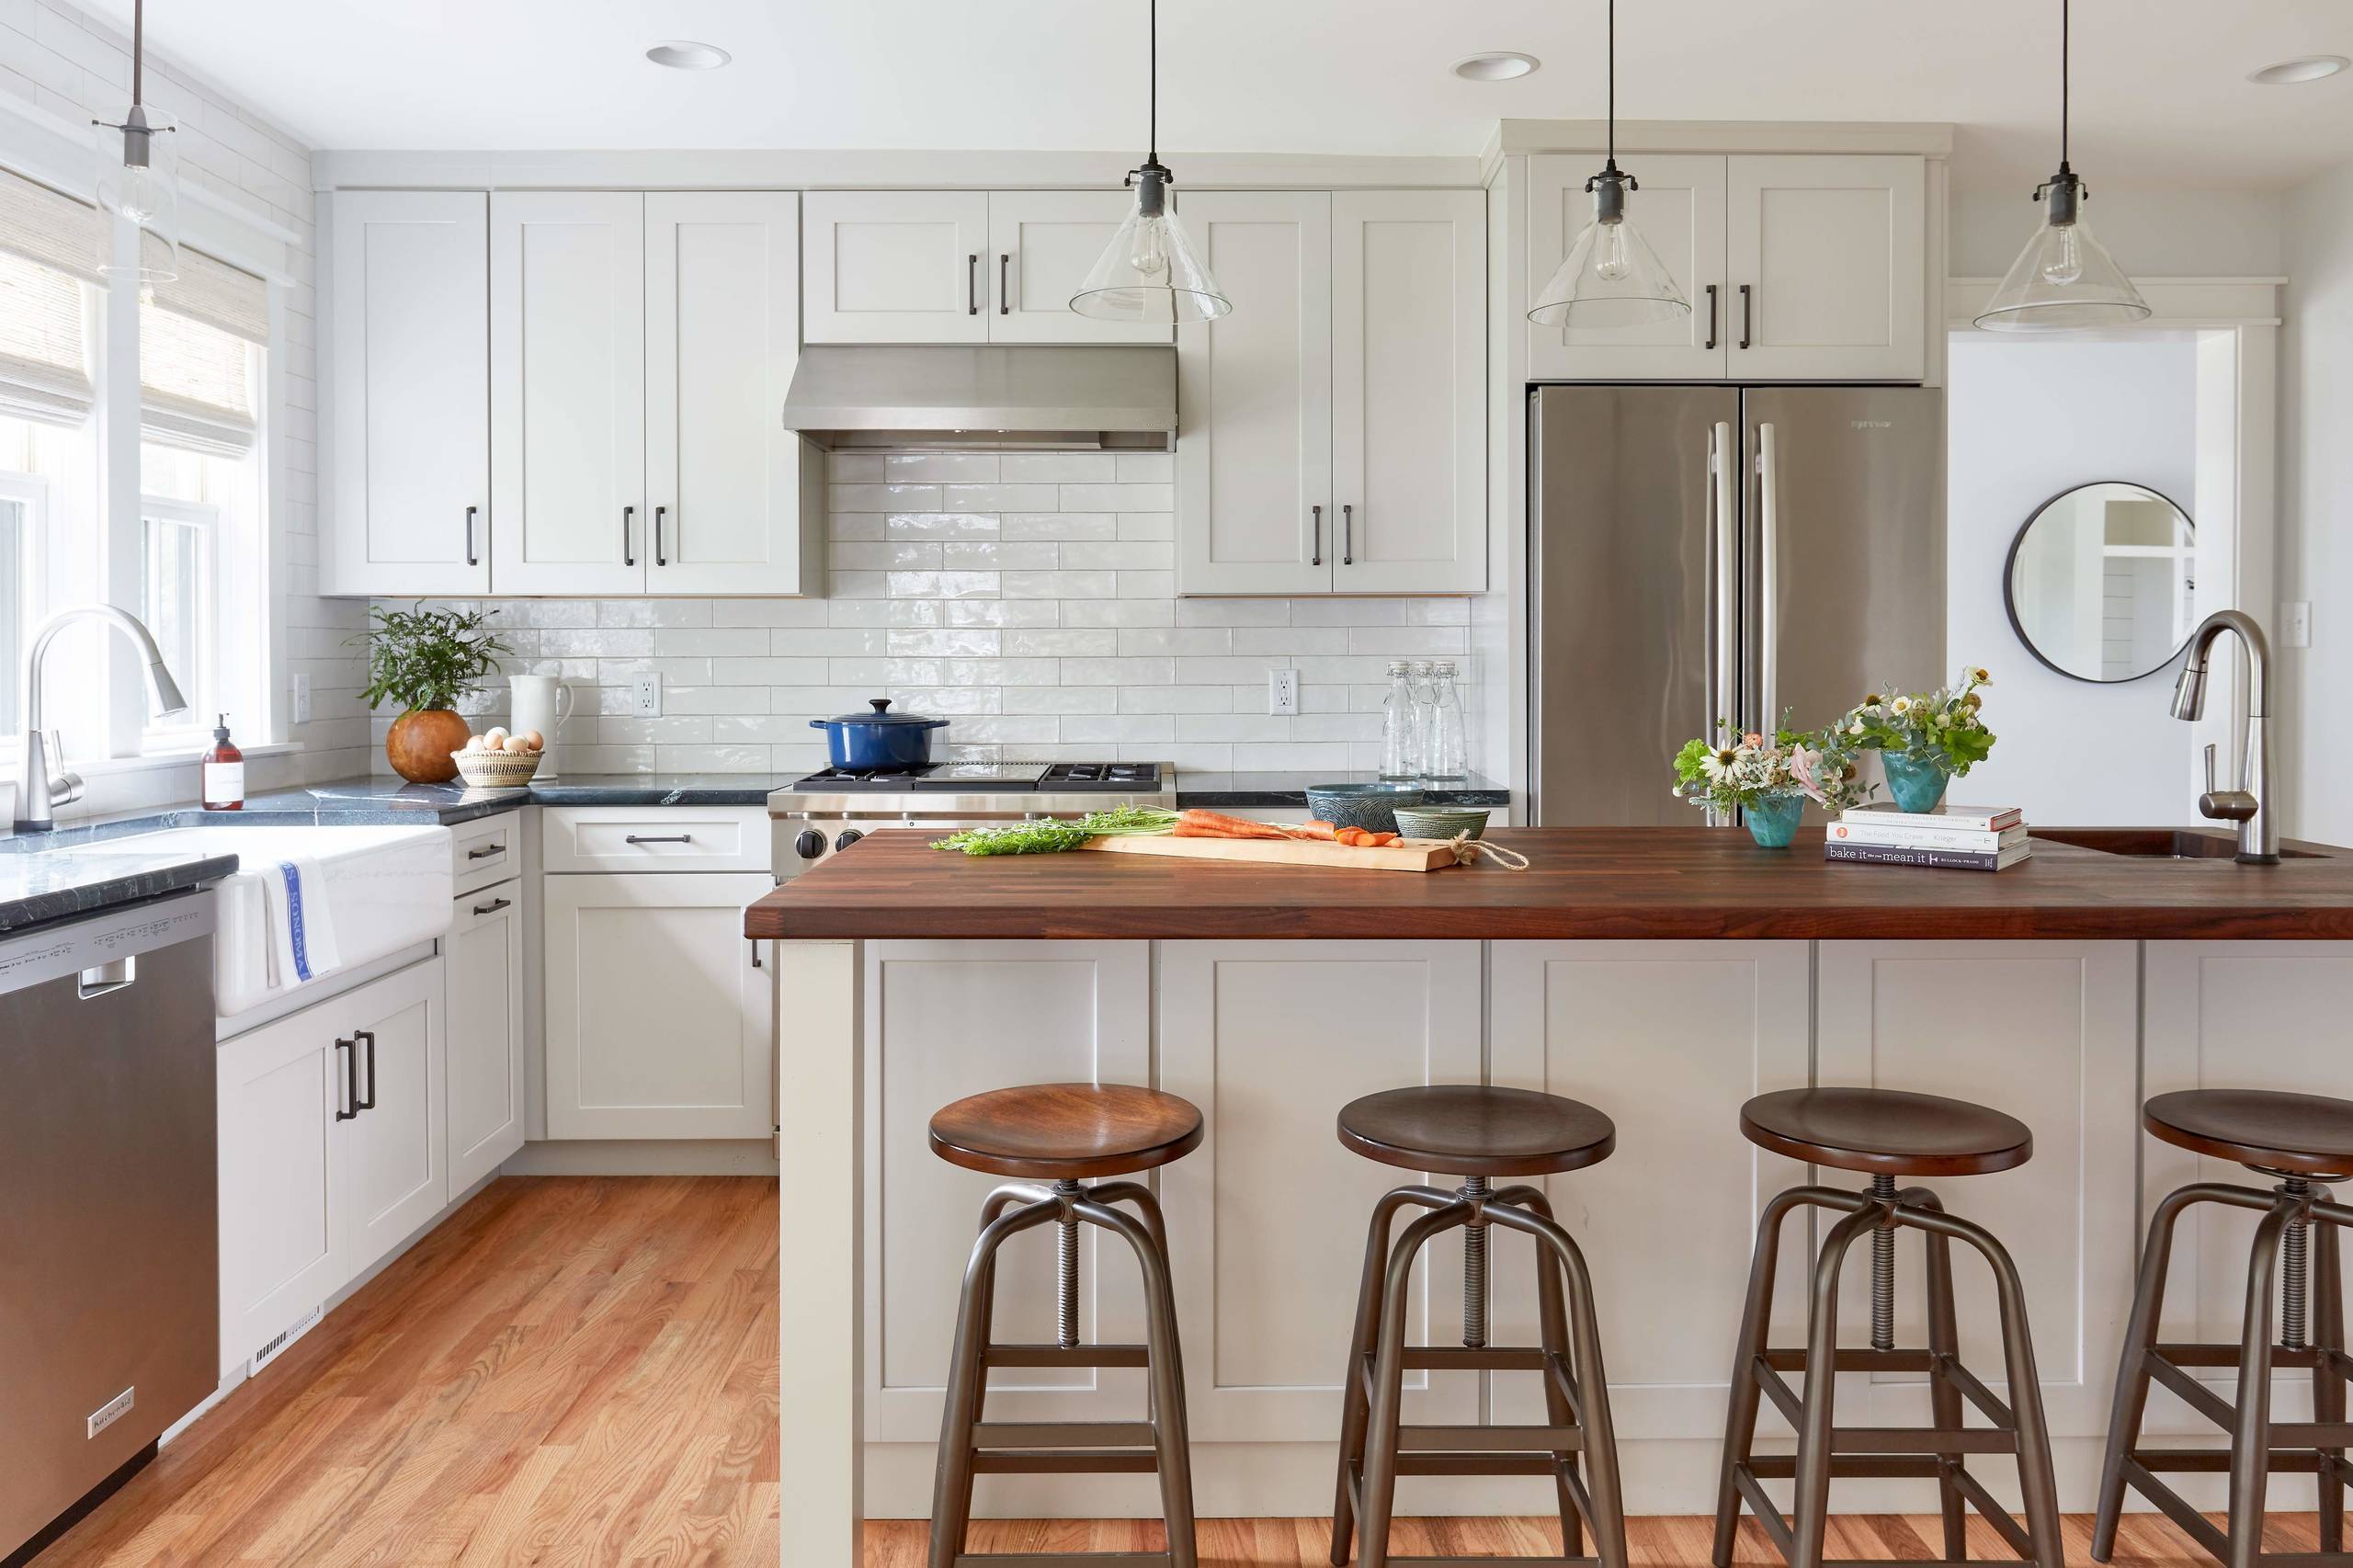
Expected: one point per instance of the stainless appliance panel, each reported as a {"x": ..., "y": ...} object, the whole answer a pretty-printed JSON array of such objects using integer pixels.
[
  {"x": 1624, "y": 614},
  {"x": 1845, "y": 534},
  {"x": 110, "y": 1228}
]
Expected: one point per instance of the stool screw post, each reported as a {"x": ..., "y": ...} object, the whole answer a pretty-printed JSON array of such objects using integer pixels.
[
  {"x": 2293, "y": 1279},
  {"x": 1066, "y": 1266},
  {"x": 1474, "y": 1268},
  {"x": 1883, "y": 1270}
]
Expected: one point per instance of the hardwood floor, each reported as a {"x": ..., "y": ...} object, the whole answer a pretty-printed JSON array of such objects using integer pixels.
[
  {"x": 570, "y": 1371},
  {"x": 584, "y": 1370}
]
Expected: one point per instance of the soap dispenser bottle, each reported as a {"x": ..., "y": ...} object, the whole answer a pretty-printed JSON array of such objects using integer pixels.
[{"x": 225, "y": 772}]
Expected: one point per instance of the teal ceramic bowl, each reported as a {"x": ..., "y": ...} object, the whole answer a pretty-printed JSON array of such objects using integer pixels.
[
  {"x": 1441, "y": 822},
  {"x": 1372, "y": 807}
]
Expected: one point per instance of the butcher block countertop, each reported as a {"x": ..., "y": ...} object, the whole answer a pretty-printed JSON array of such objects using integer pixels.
[{"x": 1668, "y": 882}]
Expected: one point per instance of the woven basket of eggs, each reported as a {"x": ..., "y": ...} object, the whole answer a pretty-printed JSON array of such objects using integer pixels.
[{"x": 496, "y": 760}]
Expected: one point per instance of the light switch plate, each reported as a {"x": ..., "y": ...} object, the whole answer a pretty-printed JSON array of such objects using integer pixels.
[
  {"x": 2296, "y": 624},
  {"x": 648, "y": 701},
  {"x": 1282, "y": 691},
  {"x": 301, "y": 703}
]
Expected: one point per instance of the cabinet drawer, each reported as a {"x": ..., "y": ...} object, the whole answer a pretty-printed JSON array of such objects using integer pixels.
[
  {"x": 487, "y": 851},
  {"x": 657, "y": 839}
]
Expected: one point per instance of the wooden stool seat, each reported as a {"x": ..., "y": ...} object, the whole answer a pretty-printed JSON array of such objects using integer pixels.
[
  {"x": 1887, "y": 1132},
  {"x": 1066, "y": 1131},
  {"x": 1469, "y": 1130},
  {"x": 2287, "y": 1133}
]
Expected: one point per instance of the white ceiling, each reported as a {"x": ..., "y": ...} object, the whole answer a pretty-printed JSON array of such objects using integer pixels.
[{"x": 2161, "y": 94}]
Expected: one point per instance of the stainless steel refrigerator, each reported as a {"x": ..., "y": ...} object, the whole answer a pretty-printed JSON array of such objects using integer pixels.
[{"x": 1696, "y": 550}]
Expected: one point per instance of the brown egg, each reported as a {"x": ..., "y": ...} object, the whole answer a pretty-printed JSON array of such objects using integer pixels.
[{"x": 533, "y": 740}]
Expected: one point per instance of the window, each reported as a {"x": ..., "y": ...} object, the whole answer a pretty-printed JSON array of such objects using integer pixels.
[
  {"x": 20, "y": 517},
  {"x": 195, "y": 540}
]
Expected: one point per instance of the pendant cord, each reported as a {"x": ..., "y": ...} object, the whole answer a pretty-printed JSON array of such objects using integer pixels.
[
  {"x": 1152, "y": 155},
  {"x": 2065, "y": 44},
  {"x": 138, "y": 47},
  {"x": 1613, "y": 84}
]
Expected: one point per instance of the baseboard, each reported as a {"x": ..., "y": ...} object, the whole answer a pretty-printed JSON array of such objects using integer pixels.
[{"x": 671, "y": 1157}]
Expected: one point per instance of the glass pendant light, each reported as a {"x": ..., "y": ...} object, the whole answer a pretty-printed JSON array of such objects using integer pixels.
[
  {"x": 139, "y": 177},
  {"x": 2064, "y": 280},
  {"x": 1150, "y": 271},
  {"x": 1611, "y": 276}
]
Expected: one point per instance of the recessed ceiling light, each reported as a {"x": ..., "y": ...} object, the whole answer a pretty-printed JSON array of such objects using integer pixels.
[
  {"x": 682, "y": 54},
  {"x": 1501, "y": 65},
  {"x": 2304, "y": 68}
]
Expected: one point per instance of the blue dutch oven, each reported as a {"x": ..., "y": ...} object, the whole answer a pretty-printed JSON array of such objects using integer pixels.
[{"x": 879, "y": 739}]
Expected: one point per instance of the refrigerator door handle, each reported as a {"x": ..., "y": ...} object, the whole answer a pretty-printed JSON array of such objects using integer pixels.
[
  {"x": 1769, "y": 581},
  {"x": 1722, "y": 586}
]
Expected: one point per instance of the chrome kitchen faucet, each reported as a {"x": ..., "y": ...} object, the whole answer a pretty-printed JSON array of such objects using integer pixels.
[{"x": 2249, "y": 805}]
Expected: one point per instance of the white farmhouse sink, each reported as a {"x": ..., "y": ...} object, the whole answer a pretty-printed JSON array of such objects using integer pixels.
[{"x": 387, "y": 888}]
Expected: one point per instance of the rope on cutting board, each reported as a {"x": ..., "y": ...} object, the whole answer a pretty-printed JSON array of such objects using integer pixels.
[{"x": 1468, "y": 850}]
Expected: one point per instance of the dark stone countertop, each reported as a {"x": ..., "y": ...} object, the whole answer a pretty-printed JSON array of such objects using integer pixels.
[
  {"x": 38, "y": 889},
  {"x": 1277, "y": 792}
]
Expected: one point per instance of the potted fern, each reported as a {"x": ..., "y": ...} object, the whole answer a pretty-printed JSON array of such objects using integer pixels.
[{"x": 426, "y": 660}]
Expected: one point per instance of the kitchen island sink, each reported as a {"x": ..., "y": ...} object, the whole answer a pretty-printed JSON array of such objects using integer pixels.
[{"x": 2165, "y": 843}]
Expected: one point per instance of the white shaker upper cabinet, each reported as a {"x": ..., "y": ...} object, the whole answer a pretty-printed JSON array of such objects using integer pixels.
[
  {"x": 1041, "y": 246},
  {"x": 1255, "y": 508},
  {"x": 1409, "y": 410},
  {"x": 1679, "y": 209},
  {"x": 1830, "y": 252},
  {"x": 567, "y": 357},
  {"x": 411, "y": 510},
  {"x": 897, "y": 266},
  {"x": 724, "y": 479}
]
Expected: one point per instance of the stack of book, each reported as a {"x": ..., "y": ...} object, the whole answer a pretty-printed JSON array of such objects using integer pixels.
[{"x": 1955, "y": 838}]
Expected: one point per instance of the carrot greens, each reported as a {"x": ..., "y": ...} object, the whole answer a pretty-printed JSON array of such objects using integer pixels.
[{"x": 1050, "y": 836}]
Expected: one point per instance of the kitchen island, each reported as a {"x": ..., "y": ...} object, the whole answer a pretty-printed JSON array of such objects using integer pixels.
[{"x": 1665, "y": 975}]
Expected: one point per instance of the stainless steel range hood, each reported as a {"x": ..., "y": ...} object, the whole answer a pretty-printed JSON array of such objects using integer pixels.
[{"x": 1040, "y": 397}]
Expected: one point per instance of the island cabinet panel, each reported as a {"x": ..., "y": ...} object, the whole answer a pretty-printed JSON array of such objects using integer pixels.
[
  {"x": 1267, "y": 1220},
  {"x": 1668, "y": 1039},
  {"x": 2240, "y": 1016},
  {"x": 2047, "y": 1031},
  {"x": 947, "y": 1019}
]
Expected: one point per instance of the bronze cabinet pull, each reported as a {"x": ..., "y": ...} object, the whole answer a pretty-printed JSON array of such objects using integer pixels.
[
  {"x": 1747, "y": 314},
  {"x": 627, "y": 559},
  {"x": 972, "y": 285},
  {"x": 659, "y": 558},
  {"x": 471, "y": 559},
  {"x": 351, "y": 1080},
  {"x": 1711, "y": 318},
  {"x": 1004, "y": 285},
  {"x": 493, "y": 906},
  {"x": 663, "y": 838},
  {"x": 1316, "y": 557},
  {"x": 1348, "y": 535},
  {"x": 358, "y": 1105}
]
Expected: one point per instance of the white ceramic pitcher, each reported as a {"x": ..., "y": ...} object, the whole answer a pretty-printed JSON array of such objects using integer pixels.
[{"x": 542, "y": 703}]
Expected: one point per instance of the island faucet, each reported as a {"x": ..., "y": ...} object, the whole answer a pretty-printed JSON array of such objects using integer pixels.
[
  {"x": 2249, "y": 805},
  {"x": 38, "y": 790}
]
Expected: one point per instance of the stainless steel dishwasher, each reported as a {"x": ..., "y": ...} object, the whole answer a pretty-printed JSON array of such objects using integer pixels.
[{"x": 109, "y": 1234}]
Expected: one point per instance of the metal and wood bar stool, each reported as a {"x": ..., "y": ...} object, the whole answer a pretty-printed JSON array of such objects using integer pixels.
[
  {"x": 2306, "y": 1141},
  {"x": 1476, "y": 1133},
  {"x": 1064, "y": 1135},
  {"x": 1886, "y": 1134}
]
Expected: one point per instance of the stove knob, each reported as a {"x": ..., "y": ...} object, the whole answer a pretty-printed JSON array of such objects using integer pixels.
[
  {"x": 810, "y": 845},
  {"x": 849, "y": 835}
]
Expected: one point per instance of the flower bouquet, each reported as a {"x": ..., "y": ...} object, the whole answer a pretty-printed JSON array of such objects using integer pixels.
[
  {"x": 1925, "y": 739},
  {"x": 1770, "y": 781}
]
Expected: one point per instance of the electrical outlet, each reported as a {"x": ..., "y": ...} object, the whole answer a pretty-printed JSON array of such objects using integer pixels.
[
  {"x": 2296, "y": 624},
  {"x": 301, "y": 703},
  {"x": 1282, "y": 691},
  {"x": 648, "y": 703}
]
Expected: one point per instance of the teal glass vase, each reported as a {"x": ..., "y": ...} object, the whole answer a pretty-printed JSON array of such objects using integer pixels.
[
  {"x": 1915, "y": 779},
  {"x": 1773, "y": 818}
]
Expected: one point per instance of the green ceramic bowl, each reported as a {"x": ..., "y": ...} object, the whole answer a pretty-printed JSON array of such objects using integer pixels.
[
  {"x": 1372, "y": 807},
  {"x": 1441, "y": 822}
]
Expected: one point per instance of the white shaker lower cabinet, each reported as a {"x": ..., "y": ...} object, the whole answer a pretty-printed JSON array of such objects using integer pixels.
[
  {"x": 658, "y": 1011},
  {"x": 1267, "y": 1220},
  {"x": 1667, "y": 1038},
  {"x": 948, "y": 1019},
  {"x": 331, "y": 1150},
  {"x": 2047, "y": 1031},
  {"x": 483, "y": 970}
]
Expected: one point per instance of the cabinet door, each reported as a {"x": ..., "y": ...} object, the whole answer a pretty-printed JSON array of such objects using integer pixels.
[
  {"x": 280, "y": 1089},
  {"x": 657, "y": 1016},
  {"x": 410, "y": 510},
  {"x": 1041, "y": 246},
  {"x": 1668, "y": 1039},
  {"x": 483, "y": 978},
  {"x": 947, "y": 1019},
  {"x": 724, "y": 477},
  {"x": 567, "y": 383},
  {"x": 2048, "y": 1033},
  {"x": 1409, "y": 397},
  {"x": 1254, "y": 401},
  {"x": 895, "y": 267},
  {"x": 1679, "y": 209},
  {"x": 388, "y": 1173},
  {"x": 1831, "y": 249},
  {"x": 1267, "y": 1220}
]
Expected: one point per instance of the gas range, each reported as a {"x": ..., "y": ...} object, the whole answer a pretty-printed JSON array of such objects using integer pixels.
[{"x": 831, "y": 810}]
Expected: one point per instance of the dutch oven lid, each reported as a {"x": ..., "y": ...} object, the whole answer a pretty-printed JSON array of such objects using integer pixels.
[{"x": 881, "y": 715}]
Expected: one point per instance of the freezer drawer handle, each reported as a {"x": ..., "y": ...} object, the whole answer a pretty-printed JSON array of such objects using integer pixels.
[
  {"x": 1348, "y": 536},
  {"x": 663, "y": 838},
  {"x": 351, "y": 1080},
  {"x": 1315, "y": 557},
  {"x": 1712, "y": 317},
  {"x": 1747, "y": 314},
  {"x": 358, "y": 1105}
]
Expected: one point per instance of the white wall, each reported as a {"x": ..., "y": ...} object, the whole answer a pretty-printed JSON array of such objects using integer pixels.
[
  {"x": 2152, "y": 233},
  {"x": 2317, "y": 506},
  {"x": 2030, "y": 419}
]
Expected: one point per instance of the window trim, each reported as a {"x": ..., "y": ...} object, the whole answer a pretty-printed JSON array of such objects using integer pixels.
[
  {"x": 202, "y": 685},
  {"x": 31, "y": 491}
]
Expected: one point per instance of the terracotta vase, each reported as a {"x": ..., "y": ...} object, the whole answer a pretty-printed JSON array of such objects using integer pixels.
[{"x": 421, "y": 744}]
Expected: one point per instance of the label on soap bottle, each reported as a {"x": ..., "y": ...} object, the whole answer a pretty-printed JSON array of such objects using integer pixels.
[{"x": 225, "y": 784}]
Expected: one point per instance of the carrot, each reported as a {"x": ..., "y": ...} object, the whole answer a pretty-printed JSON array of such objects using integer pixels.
[
  {"x": 1354, "y": 837},
  {"x": 1233, "y": 827},
  {"x": 1323, "y": 830},
  {"x": 1381, "y": 839}
]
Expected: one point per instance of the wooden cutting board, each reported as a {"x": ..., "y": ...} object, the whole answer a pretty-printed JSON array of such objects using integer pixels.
[{"x": 1406, "y": 855}]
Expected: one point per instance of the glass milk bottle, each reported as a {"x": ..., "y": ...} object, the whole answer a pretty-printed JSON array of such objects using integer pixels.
[
  {"x": 1444, "y": 752},
  {"x": 1400, "y": 725}
]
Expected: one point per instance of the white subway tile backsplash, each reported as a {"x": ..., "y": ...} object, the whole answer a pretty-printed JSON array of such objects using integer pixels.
[
  {"x": 1000, "y": 498},
  {"x": 1113, "y": 498},
  {"x": 1059, "y": 526},
  {"x": 1060, "y": 468}
]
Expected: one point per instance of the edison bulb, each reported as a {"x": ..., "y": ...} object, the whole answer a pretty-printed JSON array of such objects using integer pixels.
[
  {"x": 1148, "y": 254},
  {"x": 1611, "y": 260},
  {"x": 2066, "y": 263},
  {"x": 135, "y": 193}
]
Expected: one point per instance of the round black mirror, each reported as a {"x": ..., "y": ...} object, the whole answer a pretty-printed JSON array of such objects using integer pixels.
[{"x": 2101, "y": 582}]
